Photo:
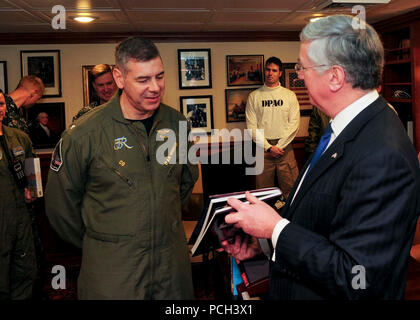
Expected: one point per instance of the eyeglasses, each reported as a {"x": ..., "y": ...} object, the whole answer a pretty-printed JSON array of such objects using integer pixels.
[{"x": 298, "y": 67}]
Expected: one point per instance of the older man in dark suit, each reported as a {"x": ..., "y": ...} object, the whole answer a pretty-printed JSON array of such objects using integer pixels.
[{"x": 347, "y": 227}]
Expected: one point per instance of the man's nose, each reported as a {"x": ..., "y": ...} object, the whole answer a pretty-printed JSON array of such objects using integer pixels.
[{"x": 154, "y": 85}]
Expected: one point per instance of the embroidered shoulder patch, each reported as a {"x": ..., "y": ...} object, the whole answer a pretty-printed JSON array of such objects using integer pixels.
[
  {"x": 57, "y": 159},
  {"x": 18, "y": 151}
]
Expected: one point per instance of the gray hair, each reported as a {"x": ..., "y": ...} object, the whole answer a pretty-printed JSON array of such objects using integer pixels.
[
  {"x": 359, "y": 51},
  {"x": 140, "y": 49},
  {"x": 40, "y": 115}
]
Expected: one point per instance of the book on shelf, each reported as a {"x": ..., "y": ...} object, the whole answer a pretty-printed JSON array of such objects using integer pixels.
[
  {"x": 255, "y": 274},
  {"x": 211, "y": 228},
  {"x": 410, "y": 131},
  {"x": 235, "y": 276},
  {"x": 254, "y": 290},
  {"x": 33, "y": 175},
  {"x": 254, "y": 270}
]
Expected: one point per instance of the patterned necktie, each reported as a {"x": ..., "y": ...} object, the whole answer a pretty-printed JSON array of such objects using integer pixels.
[{"x": 323, "y": 143}]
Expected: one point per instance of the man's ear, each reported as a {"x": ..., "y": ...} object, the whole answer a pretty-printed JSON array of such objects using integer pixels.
[
  {"x": 118, "y": 77},
  {"x": 32, "y": 95},
  {"x": 336, "y": 78},
  {"x": 35, "y": 92}
]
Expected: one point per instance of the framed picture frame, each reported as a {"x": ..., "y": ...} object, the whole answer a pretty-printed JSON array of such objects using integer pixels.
[
  {"x": 236, "y": 103},
  {"x": 199, "y": 112},
  {"x": 89, "y": 94},
  {"x": 194, "y": 68},
  {"x": 46, "y": 65},
  {"x": 56, "y": 124},
  {"x": 290, "y": 80},
  {"x": 3, "y": 76},
  {"x": 245, "y": 70}
]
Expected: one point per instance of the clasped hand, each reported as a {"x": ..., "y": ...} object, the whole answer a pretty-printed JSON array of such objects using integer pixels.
[{"x": 276, "y": 152}]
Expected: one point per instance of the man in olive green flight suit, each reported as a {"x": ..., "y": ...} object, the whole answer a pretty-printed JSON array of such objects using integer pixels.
[
  {"x": 108, "y": 194},
  {"x": 17, "y": 252}
]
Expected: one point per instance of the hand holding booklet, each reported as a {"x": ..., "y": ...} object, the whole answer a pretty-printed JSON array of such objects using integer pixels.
[{"x": 212, "y": 229}]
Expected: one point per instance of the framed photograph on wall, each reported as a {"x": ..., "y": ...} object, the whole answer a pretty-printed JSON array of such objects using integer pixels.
[
  {"x": 194, "y": 68},
  {"x": 3, "y": 76},
  {"x": 236, "y": 103},
  {"x": 89, "y": 94},
  {"x": 290, "y": 79},
  {"x": 55, "y": 113},
  {"x": 46, "y": 65},
  {"x": 245, "y": 70},
  {"x": 199, "y": 112}
]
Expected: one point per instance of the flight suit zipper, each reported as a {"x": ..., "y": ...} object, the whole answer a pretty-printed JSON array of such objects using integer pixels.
[
  {"x": 146, "y": 149},
  {"x": 153, "y": 217},
  {"x": 124, "y": 178}
]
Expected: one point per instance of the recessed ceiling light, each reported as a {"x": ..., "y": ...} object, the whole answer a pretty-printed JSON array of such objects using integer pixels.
[
  {"x": 85, "y": 19},
  {"x": 315, "y": 18}
]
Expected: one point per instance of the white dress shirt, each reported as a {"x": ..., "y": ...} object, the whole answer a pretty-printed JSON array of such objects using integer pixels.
[
  {"x": 341, "y": 120},
  {"x": 46, "y": 129}
]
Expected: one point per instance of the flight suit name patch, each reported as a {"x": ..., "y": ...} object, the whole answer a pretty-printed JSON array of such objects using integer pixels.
[
  {"x": 57, "y": 159},
  {"x": 119, "y": 143},
  {"x": 163, "y": 133}
]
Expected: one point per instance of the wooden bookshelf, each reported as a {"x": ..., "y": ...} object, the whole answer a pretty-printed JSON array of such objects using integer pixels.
[
  {"x": 397, "y": 100},
  {"x": 401, "y": 61},
  {"x": 401, "y": 39}
]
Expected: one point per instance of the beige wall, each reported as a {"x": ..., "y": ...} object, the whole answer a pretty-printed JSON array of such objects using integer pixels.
[{"x": 74, "y": 56}]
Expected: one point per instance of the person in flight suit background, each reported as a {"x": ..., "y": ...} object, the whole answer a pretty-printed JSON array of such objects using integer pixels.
[{"x": 18, "y": 268}]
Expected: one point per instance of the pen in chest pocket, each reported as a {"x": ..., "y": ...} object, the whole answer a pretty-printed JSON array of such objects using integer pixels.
[{"x": 171, "y": 153}]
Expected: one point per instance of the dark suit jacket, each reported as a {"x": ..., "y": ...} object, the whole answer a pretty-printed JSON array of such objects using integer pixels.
[
  {"x": 40, "y": 138},
  {"x": 358, "y": 206}
]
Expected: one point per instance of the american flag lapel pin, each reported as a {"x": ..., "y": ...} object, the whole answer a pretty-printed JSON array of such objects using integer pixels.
[{"x": 334, "y": 155}]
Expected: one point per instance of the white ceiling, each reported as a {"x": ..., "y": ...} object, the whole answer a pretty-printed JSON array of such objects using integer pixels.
[{"x": 34, "y": 16}]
